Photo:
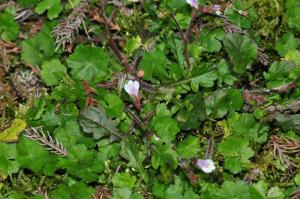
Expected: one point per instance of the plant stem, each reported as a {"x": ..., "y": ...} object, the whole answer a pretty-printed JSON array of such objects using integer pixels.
[{"x": 185, "y": 43}]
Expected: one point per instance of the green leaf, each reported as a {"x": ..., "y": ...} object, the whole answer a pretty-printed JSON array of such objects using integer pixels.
[
  {"x": 52, "y": 72},
  {"x": 39, "y": 48},
  {"x": 216, "y": 104},
  {"x": 95, "y": 121},
  {"x": 210, "y": 40},
  {"x": 131, "y": 153},
  {"x": 174, "y": 4},
  {"x": 125, "y": 193},
  {"x": 12, "y": 133},
  {"x": 233, "y": 190},
  {"x": 183, "y": 20},
  {"x": 53, "y": 8},
  {"x": 287, "y": 42},
  {"x": 278, "y": 73},
  {"x": 69, "y": 133},
  {"x": 132, "y": 44},
  {"x": 297, "y": 179},
  {"x": 78, "y": 190},
  {"x": 123, "y": 180},
  {"x": 176, "y": 47},
  {"x": 220, "y": 102},
  {"x": 122, "y": 193},
  {"x": 289, "y": 122},
  {"x": 174, "y": 192},
  {"x": 155, "y": 66},
  {"x": 52, "y": 118},
  {"x": 236, "y": 152},
  {"x": 192, "y": 112},
  {"x": 165, "y": 156},
  {"x": 164, "y": 125},
  {"x": 31, "y": 154},
  {"x": 259, "y": 190},
  {"x": 294, "y": 56},
  {"x": 188, "y": 147},
  {"x": 108, "y": 150},
  {"x": 89, "y": 63},
  {"x": 238, "y": 19},
  {"x": 246, "y": 126},
  {"x": 205, "y": 80},
  {"x": 275, "y": 193},
  {"x": 241, "y": 50},
  {"x": 28, "y": 2},
  {"x": 190, "y": 195},
  {"x": 9, "y": 28},
  {"x": 8, "y": 154},
  {"x": 88, "y": 169},
  {"x": 115, "y": 106},
  {"x": 68, "y": 91},
  {"x": 224, "y": 74},
  {"x": 292, "y": 9}
]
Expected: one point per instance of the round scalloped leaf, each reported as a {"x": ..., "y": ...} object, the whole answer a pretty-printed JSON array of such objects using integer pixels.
[{"x": 89, "y": 63}]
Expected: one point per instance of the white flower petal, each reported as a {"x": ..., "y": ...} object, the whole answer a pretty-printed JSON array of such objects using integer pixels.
[
  {"x": 156, "y": 138},
  {"x": 207, "y": 165},
  {"x": 193, "y": 3},
  {"x": 218, "y": 12},
  {"x": 136, "y": 86},
  {"x": 132, "y": 87}
]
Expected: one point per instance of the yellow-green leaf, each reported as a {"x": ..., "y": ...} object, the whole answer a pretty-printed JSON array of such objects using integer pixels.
[{"x": 12, "y": 133}]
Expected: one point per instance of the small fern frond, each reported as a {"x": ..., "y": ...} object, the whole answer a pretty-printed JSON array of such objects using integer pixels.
[
  {"x": 52, "y": 145},
  {"x": 66, "y": 30}
]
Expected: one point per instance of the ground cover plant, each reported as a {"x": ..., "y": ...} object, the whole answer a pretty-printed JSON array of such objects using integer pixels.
[{"x": 132, "y": 99}]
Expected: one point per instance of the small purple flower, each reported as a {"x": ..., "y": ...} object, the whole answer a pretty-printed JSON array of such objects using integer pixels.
[
  {"x": 132, "y": 88},
  {"x": 217, "y": 9},
  {"x": 206, "y": 165},
  {"x": 193, "y": 3}
]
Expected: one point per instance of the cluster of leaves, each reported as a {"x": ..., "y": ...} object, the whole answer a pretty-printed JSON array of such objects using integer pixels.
[{"x": 197, "y": 84}]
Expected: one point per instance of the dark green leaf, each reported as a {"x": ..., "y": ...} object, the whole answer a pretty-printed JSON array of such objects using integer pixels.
[
  {"x": 52, "y": 72},
  {"x": 95, "y": 121},
  {"x": 31, "y": 154},
  {"x": 53, "y": 8},
  {"x": 236, "y": 152},
  {"x": 188, "y": 147},
  {"x": 221, "y": 101},
  {"x": 287, "y": 42},
  {"x": 289, "y": 122},
  {"x": 131, "y": 153},
  {"x": 277, "y": 74},
  {"x": 123, "y": 180},
  {"x": 82, "y": 163},
  {"x": 192, "y": 112},
  {"x": 292, "y": 11},
  {"x": 164, "y": 156},
  {"x": 9, "y": 29},
  {"x": 210, "y": 41},
  {"x": 238, "y": 19},
  {"x": 39, "y": 48},
  {"x": 78, "y": 190},
  {"x": 241, "y": 50},
  {"x": 155, "y": 66},
  {"x": 88, "y": 63},
  {"x": 8, "y": 154}
]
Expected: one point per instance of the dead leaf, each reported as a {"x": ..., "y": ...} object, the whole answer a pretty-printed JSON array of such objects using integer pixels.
[{"x": 12, "y": 133}]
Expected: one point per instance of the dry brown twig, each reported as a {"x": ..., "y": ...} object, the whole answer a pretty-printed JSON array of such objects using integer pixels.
[
  {"x": 295, "y": 194},
  {"x": 101, "y": 193},
  {"x": 51, "y": 144}
]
